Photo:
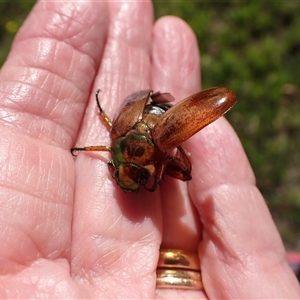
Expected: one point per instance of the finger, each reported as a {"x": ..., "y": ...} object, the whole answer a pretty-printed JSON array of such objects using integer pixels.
[
  {"x": 49, "y": 69},
  {"x": 175, "y": 58},
  {"x": 241, "y": 254},
  {"x": 116, "y": 235},
  {"x": 176, "y": 69}
]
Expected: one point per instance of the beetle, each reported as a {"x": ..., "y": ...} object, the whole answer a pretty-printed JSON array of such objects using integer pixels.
[{"x": 147, "y": 129}]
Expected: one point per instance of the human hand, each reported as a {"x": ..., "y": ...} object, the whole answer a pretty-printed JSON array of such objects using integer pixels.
[{"x": 67, "y": 230}]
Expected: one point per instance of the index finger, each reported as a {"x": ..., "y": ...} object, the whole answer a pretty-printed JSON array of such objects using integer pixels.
[{"x": 48, "y": 72}]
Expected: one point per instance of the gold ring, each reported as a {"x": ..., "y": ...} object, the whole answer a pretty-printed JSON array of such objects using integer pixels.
[{"x": 178, "y": 269}]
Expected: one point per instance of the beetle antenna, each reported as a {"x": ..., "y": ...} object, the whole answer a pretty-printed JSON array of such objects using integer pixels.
[
  {"x": 103, "y": 115},
  {"x": 98, "y": 102}
]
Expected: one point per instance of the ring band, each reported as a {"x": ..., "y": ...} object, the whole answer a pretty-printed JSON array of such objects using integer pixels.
[{"x": 178, "y": 269}]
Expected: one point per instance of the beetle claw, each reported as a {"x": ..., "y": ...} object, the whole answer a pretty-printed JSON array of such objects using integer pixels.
[{"x": 72, "y": 151}]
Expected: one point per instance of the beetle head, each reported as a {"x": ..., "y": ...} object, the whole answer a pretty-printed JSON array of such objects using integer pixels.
[{"x": 129, "y": 176}]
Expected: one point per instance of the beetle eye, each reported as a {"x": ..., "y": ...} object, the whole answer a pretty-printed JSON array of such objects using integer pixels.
[
  {"x": 116, "y": 173},
  {"x": 112, "y": 169},
  {"x": 143, "y": 177}
]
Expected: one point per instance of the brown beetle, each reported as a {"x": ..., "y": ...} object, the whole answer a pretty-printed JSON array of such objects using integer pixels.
[{"x": 147, "y": 128}]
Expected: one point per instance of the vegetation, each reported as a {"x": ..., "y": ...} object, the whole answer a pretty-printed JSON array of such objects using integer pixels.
[
  {"x": 12, "y": 14},
  {"x": 252, "y": 47}
]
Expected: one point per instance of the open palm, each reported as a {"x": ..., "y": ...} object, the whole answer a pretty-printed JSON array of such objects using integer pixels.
[{"x": 67, "y": 230}]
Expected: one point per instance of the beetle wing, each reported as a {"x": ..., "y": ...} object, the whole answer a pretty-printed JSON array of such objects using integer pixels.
[
  {"x": 190, "y": 115},
  {"x": 159, "y": 97},
  {"x": 129, "y": 113}
]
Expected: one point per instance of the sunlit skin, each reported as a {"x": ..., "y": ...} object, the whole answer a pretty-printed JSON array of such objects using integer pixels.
[
  {"x": 67, "y": 231},
  {"x": 146, "y": 128}
]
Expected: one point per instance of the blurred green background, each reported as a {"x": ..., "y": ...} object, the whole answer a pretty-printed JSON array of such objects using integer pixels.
[{"x": 252, "y": 47}]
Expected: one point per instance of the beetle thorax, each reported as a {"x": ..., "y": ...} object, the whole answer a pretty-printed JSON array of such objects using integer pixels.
[{"x": 136, "y": 149}]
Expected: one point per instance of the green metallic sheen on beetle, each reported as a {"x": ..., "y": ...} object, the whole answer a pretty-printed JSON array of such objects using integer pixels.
[{"x": 146, "y": 130}]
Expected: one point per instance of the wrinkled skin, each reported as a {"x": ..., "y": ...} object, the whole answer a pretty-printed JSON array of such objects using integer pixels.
[{"x": 67, "y": 230}]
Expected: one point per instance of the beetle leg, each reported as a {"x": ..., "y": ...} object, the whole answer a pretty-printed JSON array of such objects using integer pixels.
[
  {"x": 90, "y": 148},
  {"x": 153, "y": 188},
  {"x": 159, "y": 176},
  {"x": 179, "y": 166},
  {"x": 103, "y": 115}
]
